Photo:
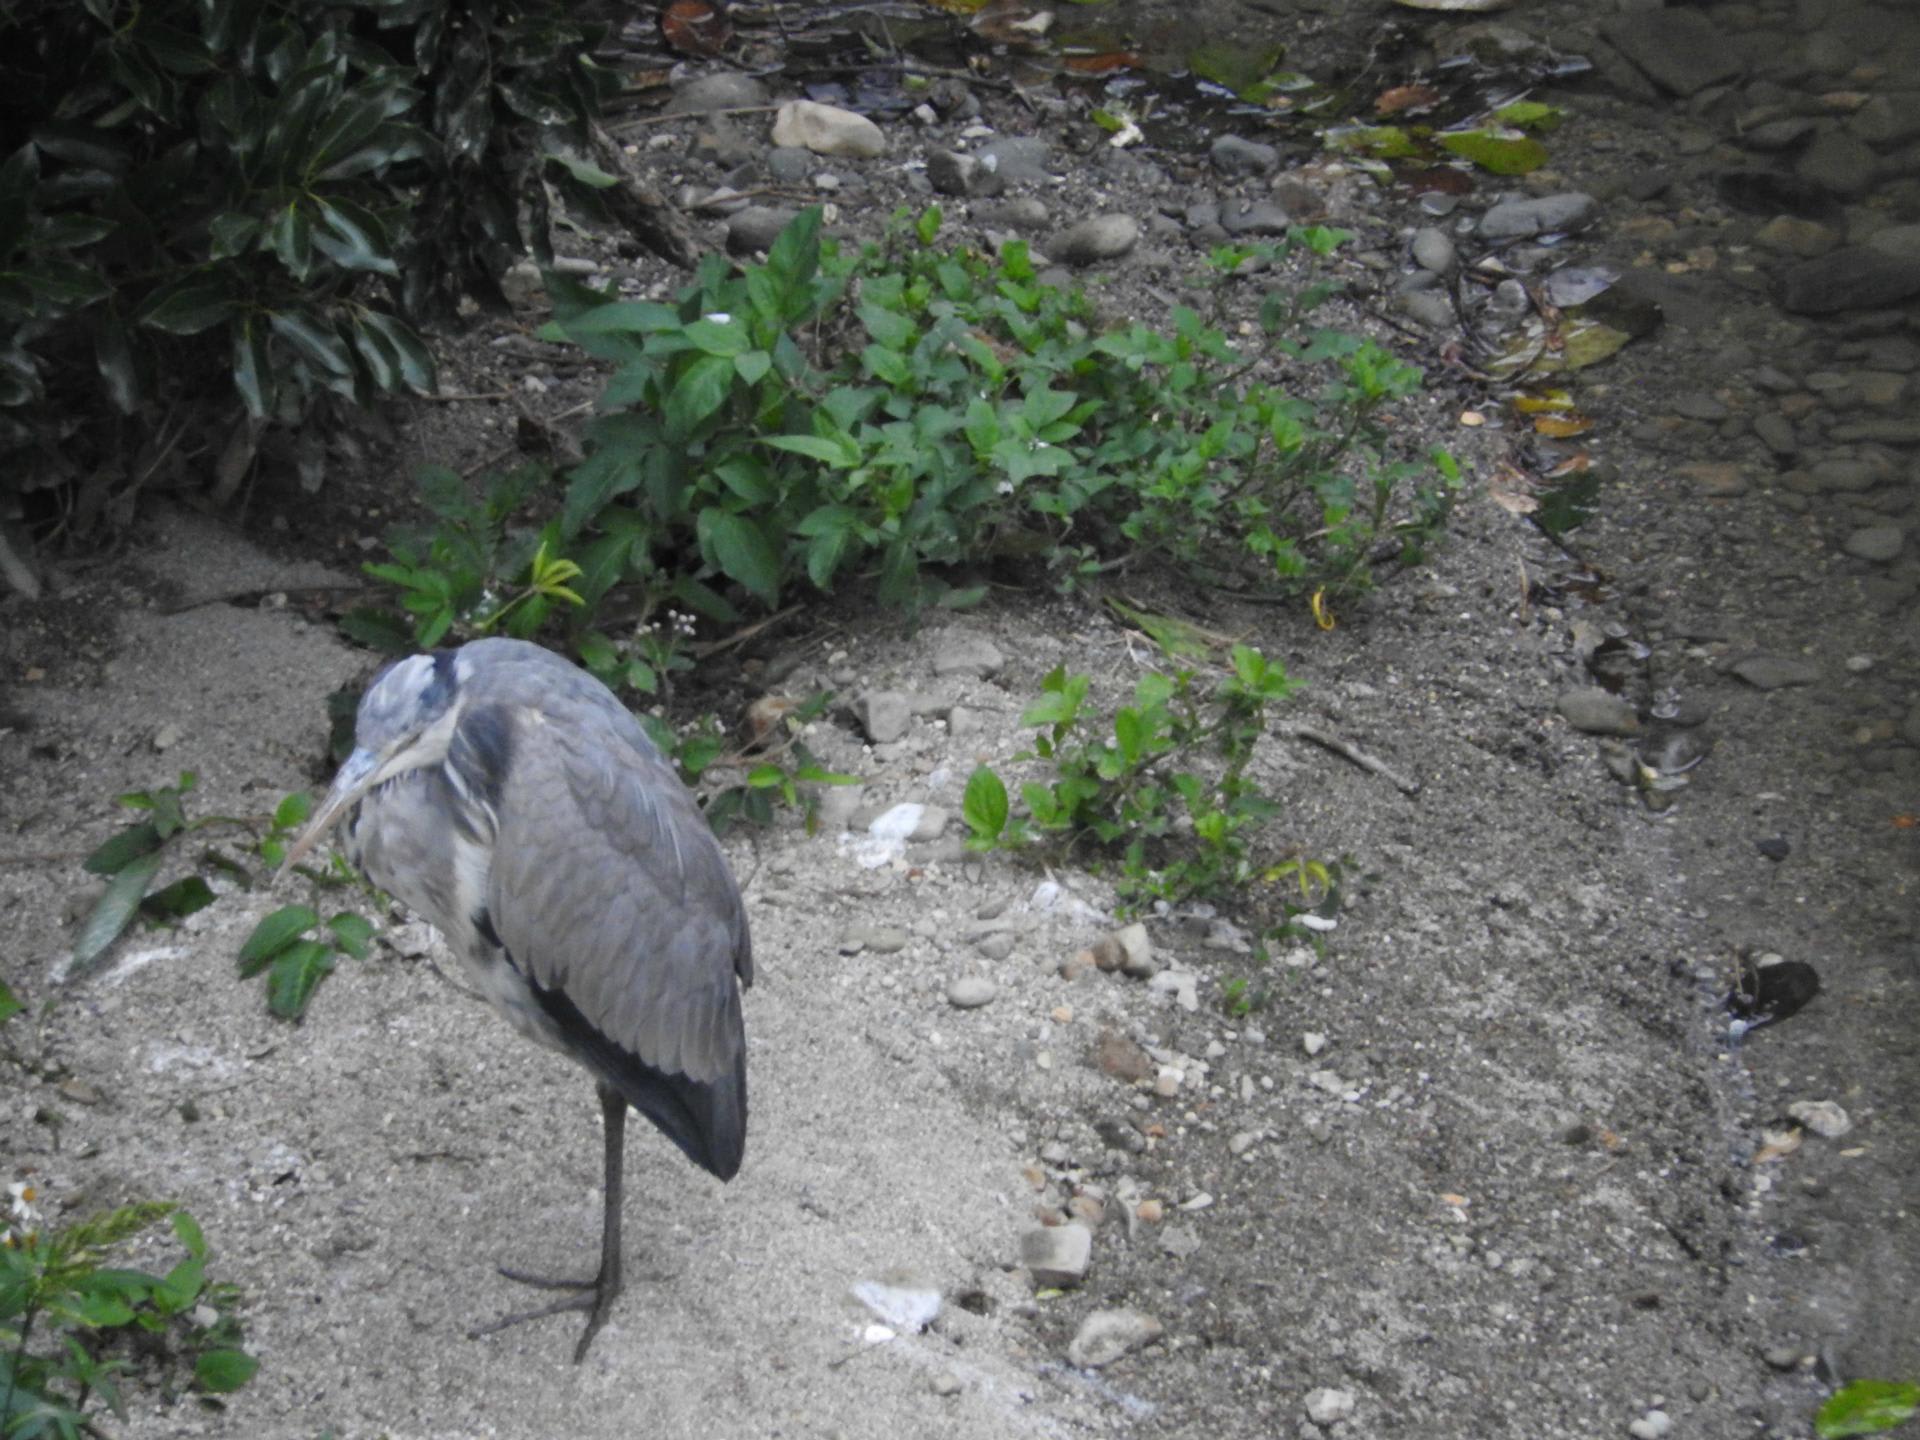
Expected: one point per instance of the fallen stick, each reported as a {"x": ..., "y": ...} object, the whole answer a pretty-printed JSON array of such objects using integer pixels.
[{"x": 1370, "y": 763}]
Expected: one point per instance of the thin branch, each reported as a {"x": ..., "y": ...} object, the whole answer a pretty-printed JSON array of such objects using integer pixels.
[{"x": 1349, "y": 751}]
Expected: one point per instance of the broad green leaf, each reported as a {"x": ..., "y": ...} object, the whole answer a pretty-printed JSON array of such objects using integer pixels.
[
  {"x": 1494, "y": 151},
  {"x": 274, "y": 934},
  {"x": 1530, "y": 115},
  {"x": 352, "y": 933},
  {"x": 181, "y": 1287},
  {"x": 741, "y": 550},
  {"x": 746, "y": 477},
  {"x": 290, "y": 236},
  {"x": 826, "y": 551},
  {"x": 253, "y": 366},
  {"x": 718, "y": 337},
  {"x": 841, "y": 455},
  {"x": 415, "y": 360},
  {"x": 188, "y": 1229},
  {"x": 752, "y": 366},
  {"x": 114, "y": 356},
  {"x": 129, "y": 845},
  {"x": 1867, "y": 1407},
  {"x": 220, "y": 1372},
  {"x": 232, "y": 234},
  {"x": 380, "y": 630},
  {"x": 984, "y": 806},
  {"x": 353, "y": 237},
  {"x": 795, "y": 255},
  {"x": 1384, "y": 142},
  {"x": 180, "y": 899},
  {"x": 115, "y": 909},
  {"x": 592, "y": 176},
  {"x": 622, "y": 317},
  {"x": 296, "y": 972},
  {"x": 701, "y": 389},
  {"x": 189, "y": 305},
  {"x": 312, "y": 338}
]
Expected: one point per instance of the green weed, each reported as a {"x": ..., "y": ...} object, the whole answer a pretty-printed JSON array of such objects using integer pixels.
[
  {"x": 904, "y": 412},
  {"x": 64, "y": 1308},
  {"x": 1162, "y": 782}
]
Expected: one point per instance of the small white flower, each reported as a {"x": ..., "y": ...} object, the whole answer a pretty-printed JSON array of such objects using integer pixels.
[
  {"x": 719, "y": 317},
  {"x": 22, "y": 1212}
]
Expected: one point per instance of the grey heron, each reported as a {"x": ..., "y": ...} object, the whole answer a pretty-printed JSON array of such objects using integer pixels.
[{"x": 509, "y": 798}]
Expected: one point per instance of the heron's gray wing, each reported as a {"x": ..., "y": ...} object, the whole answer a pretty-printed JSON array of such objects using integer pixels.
[{"x": 608, "y": 887}]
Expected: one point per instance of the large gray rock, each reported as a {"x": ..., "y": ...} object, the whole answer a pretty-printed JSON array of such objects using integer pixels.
[
  {"x": 1100, "y": 237},
  {"x": 884, "y": 715},
  {"x": 756, "y": 228},
  {"x": 952, "y": 173},
  {"x": 1262, "y": 217},
  {"x": 1598, "y": 712},
  {"x": 1232, "y": 155},
  {"x": 967, "y": 655},
  {"x": 1878, "y": 543},
  {"x": 1521, "y": 219},
  {"x": 1775, "y": 672},
  {"x": 1859, "y": 277},
  {"x": 1018, "y": 158},
  {"x": 1681, "y": 51},
  {"x": 725, "y": 91}
]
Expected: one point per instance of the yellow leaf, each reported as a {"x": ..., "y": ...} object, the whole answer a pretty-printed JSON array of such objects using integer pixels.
[
  {"x": 1322, "y": 612},
  {"x": 1561, "y": 427}
]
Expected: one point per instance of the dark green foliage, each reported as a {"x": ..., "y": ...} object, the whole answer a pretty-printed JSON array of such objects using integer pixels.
[
  {"x": 219, "y": 210},
  {"x": 1163, "y": 783},
  {"x": 900, "y": 413},
  {"x": 64, "y": 1311},
  {"x": 131, "y": 861}
]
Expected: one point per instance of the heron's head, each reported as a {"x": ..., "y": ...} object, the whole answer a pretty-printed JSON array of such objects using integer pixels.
[{"x": 405, "y": 722}]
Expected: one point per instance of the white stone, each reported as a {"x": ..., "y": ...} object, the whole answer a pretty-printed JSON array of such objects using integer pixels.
[
  {"x": 1822, "y": 1117},
  {"x": 827, "y": 130},
  {"x": 1325, "y": 1406}
]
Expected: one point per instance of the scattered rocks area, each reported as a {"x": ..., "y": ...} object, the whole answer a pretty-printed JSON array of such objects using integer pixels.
[{"x": 1489, "y": 1160}]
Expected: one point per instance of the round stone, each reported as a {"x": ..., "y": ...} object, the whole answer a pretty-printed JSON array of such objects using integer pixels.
[{"x": 970, "y": 992}]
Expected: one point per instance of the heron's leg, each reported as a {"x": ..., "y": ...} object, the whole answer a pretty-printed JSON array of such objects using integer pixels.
[{"x": 595, "y": 1296}]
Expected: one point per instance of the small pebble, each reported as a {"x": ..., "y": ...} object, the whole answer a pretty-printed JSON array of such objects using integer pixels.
[
  {"x": 1326, "y": 1406},
  {"x": 945, "y": 1384},
  {"x": 970, "y": 992},
  {"x": 1822, "y": 1117},
  {"x": 1653, "y": 1425}
]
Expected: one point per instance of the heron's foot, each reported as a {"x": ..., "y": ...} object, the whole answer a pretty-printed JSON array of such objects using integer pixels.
[{"x": 595, "y": 1297}]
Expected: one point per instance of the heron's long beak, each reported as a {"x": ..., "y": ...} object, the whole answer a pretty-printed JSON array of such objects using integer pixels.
[{"x": 356, "y": 777}]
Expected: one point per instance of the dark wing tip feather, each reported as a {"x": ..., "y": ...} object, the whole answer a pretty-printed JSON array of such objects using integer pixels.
[{"x": 706, "y": 1119}]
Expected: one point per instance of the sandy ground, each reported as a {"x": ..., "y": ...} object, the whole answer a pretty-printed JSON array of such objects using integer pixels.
[{"x": 1519, "y": 1191}]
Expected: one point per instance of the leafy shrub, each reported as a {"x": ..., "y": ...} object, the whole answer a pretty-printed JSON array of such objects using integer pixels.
[
  {"x": 904, "y": 411},
  {"x": 1162, "y": 782},
  {"x": 205, "y": 202}
]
